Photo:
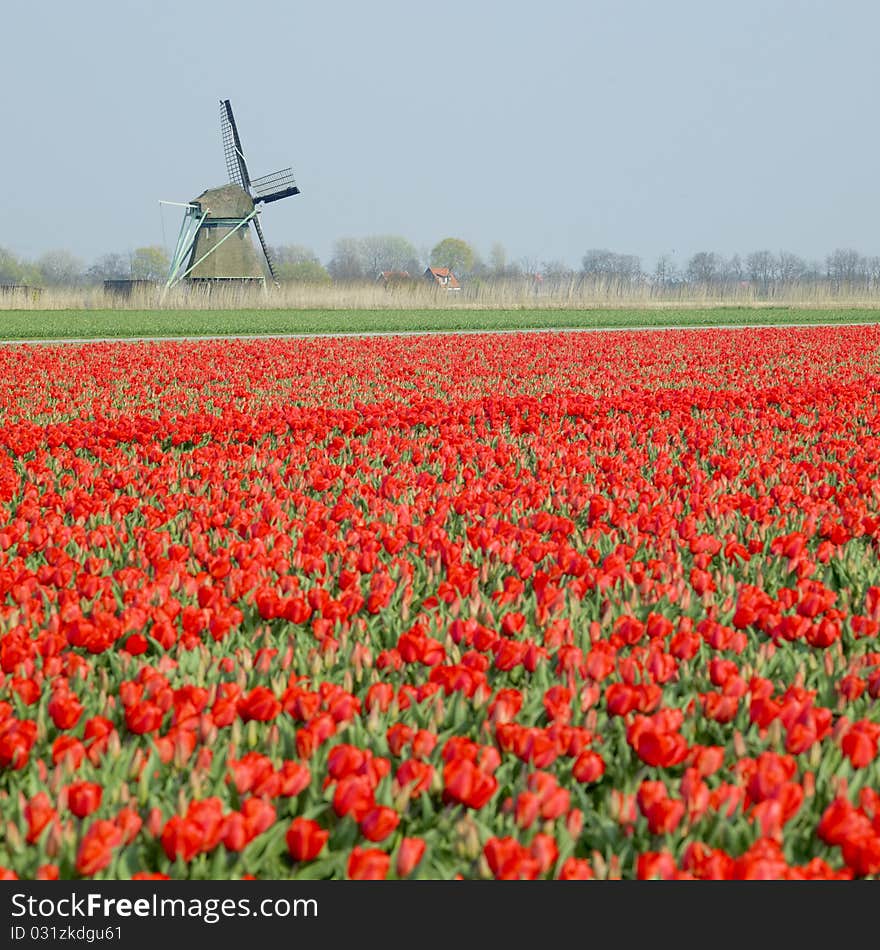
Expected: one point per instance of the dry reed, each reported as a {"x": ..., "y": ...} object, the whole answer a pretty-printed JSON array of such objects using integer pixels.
[{"x": 565, "y": 294}]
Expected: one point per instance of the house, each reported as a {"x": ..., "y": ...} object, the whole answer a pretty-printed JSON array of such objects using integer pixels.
[
  {"x": 442, "y": 277},
  {"x": 22, "y": 292},
  {"x": 123, "y": 287},
  {"x": 391, "y": 278}
]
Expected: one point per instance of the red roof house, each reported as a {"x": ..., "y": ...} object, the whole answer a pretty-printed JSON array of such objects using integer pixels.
[
  {"x": 443, "y": 277},
  {"x": 391, "y": 277}
]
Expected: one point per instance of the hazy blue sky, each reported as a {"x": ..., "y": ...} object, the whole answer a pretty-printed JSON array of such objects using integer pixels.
[{"x": 554, "y": 127}]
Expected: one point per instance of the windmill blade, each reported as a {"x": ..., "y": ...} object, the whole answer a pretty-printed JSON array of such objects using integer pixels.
[
  {"x": 235, "y": 164},
  {"x": 275, "y": 186},
  {"x": 265, "y": 248}
]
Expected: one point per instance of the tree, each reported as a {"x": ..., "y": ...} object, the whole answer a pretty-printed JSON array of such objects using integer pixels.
[
  {"x": 528, "y": 266},
  {"x": 734, "y": 269},
  {"x": 292, "y": 254},
  {"x": 347, "y": 263},
  {"x": 704, "y": 268},
  {"x": 381, "y": 252},
  {"x": 761, "y": 267},
  {"x": 60, "y": 269},
  {"x": 666, "y": 272},
  {"x": 296, "y": 262},
  {"x": 11, "y": 269},
  {"x": 790, "y": 267},
  {"x": 498, "y": 260},
  {"x": 110, "y": 267},
  {"x": 556, "y": 270},
  {"x": 845, "y": 266},
  {"x": 305, "y": 272},
  {"x": 872, "y": 269},
  {"x": 608, "y": 265},
  {"x": 455, "y": 254},
  {"x": 149, "y": 263}
]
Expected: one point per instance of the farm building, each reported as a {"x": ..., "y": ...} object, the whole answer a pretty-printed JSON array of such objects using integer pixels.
[
  {"x": 20, "y": 292},
  {"x": 123, "y": 287},
  {"x": 390, "y": 278},
  {"x": 443, "y": 277}
]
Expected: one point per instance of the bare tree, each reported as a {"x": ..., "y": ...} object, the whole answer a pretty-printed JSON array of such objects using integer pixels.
[
  {"x": 110, "y": 267},
  {"x": 734, "y": 270},
  {"x": 666, "y": 272},
  {"x": 611, "y": 266},
  {"x": 845, "y": 266},
  {"x": 347, "y": 263},
  {"x": 497, "y": 259},
  {"x": 872, "y": 270},
  {"x": 381, "y": 252},
  {"x": 60, "y": 268},
  {"x": 790, "y": 267},
  {"x": 704, "y": 268},
  {"x": 556, "y": 270},
  {"x": 761, "y": 267}
]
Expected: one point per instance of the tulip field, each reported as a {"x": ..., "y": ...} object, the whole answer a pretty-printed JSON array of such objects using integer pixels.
[{"x": 520, "y": 606}]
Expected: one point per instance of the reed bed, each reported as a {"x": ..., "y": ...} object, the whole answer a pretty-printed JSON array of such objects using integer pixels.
[{"x": 567, "y": 294}]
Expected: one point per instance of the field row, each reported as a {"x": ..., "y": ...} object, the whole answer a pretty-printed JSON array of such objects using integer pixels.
[{"x": 92, "y": 323}]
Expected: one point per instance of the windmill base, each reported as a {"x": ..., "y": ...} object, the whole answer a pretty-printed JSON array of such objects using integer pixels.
[{"x": 225, "y": 289}]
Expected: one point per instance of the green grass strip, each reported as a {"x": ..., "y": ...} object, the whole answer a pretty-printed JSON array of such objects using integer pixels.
[{"x": 91, "y": 324}]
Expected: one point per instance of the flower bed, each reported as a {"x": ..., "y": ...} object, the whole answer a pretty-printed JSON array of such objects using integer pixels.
[{"x": 538, "y": 605}]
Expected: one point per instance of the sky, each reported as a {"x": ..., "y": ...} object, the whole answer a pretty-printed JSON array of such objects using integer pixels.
[{"x": 553, "y": 128}]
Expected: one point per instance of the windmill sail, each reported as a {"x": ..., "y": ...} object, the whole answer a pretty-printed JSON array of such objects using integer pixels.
[
  {"x": 275, "y": 186},
  {"x": 266, "y": 254},
  {"x": 235, "y": 164}
]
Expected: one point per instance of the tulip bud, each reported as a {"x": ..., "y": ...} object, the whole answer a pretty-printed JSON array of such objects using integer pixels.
[
  {"x": 466, "y": 840},
  {"x": 114, "y": 745},
  {"x": 13, "y": 836},
  {"x": 614, "y": 868},
  {"x": 809, "y": 784},
  {"x": 52, "y": 842},
  {"x": 574, "y": 823},
  {"x": 252, "y": 734}
]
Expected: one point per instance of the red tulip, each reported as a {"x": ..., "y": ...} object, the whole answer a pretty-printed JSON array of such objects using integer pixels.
[
  {"x": 83, "y": 798},
  {"x": 260, "y": 704},
  {"x": 409, "y": 854},
  {"x": 305, "y": 839},
  {"x": 588, "y": 767},
  {"x": 379, "y": 822},
  {"x": 368, "y": 864},
  {"x": 38, "y": 813},
  {"x": 96, "y": 848}
]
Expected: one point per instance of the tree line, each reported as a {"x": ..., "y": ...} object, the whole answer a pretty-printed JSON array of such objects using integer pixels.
[{"x": 364, "y": 259}]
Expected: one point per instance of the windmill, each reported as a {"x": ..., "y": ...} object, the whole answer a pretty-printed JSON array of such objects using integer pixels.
[{"x": 215, "y": 243}]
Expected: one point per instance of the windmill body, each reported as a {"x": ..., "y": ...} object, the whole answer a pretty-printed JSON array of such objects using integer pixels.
[
  {"x": 223, "y": 248},
  {"x": 215, "y": 242}
]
